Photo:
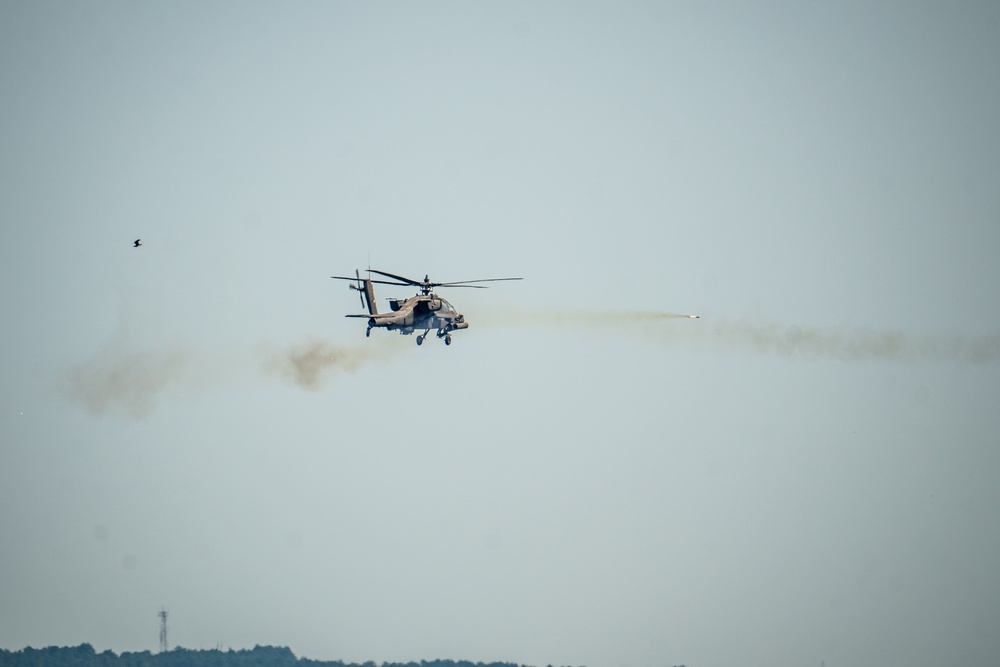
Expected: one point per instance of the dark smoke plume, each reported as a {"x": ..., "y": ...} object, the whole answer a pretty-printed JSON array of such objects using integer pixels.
[
  {"x": 130, "y": 382},
  {"x": 124, "y": 381},
  {"x": 308, "y": 364}
]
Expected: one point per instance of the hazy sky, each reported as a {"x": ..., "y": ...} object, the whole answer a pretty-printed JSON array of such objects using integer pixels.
[{"x": 810, "y": 473}]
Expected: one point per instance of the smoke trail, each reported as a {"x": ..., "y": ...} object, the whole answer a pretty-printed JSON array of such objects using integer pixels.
[
  {"x": 119, "y": 381},
  {"x": 852, "y": 345},
  {"x": 764, "y": 337},
  {"x": 114, "y": 380},
  {"x": 308, "y": 364},
  {"x": 584, "y": 319}
]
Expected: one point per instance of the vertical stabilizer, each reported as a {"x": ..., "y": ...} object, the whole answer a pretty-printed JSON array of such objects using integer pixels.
[
  {"x": 366, "y": 292},
  {"x": 370, "y": 296}
]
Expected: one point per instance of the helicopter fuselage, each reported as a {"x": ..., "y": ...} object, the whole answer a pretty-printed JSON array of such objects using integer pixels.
[{"x": 424, "y": 311}]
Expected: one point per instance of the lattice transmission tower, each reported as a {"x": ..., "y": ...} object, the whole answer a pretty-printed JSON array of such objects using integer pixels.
[{"x": 163, "y": 630}]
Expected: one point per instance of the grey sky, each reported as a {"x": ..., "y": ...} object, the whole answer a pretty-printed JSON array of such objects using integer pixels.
[{"x": 807, "y": 474}]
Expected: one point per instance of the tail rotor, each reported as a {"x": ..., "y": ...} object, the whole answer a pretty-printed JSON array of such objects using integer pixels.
[
  {"x": 366, "y": 289},
  {"x": 359, "y": 287}
]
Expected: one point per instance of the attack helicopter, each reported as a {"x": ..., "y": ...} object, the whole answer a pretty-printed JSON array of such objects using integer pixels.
[{"x": 424, "y": 311}]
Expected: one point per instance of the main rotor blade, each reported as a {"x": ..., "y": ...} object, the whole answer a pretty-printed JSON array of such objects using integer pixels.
[
  {"x": 425, "y": 284},
  {"x": 407, "y": 281},
  {"x": 380, "y": 282},
  {"x": 484, "y": 280}
]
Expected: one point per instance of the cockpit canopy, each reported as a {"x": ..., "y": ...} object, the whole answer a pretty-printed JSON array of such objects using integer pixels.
[{"x": 436, "y": 304}]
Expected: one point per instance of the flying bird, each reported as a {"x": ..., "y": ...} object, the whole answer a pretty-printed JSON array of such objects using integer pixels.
[{"x": 136, "y": 243}]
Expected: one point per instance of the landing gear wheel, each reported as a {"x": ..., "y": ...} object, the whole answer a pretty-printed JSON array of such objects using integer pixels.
[
  {"x": 420, "y": 340},
  {"x": 368, "y": 332},
  {"x": 447, "y": 339}
]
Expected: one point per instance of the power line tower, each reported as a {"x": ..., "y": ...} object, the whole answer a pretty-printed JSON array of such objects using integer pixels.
[{"x": 163, "y": 630}]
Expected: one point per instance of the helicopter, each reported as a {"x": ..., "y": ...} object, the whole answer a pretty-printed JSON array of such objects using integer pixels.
[{"x": 425, "y": 310}]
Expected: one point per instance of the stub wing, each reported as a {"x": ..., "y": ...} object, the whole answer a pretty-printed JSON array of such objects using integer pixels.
[{"x": 378, "y": 317}]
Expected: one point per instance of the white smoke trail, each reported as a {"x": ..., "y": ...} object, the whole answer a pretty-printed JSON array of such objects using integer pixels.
[
  {"x": 758, "y": 336},
  {"x": 851, "y": 344}
]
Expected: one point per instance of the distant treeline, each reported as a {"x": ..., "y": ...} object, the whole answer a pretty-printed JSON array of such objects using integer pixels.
[{"x": 84, "y": 655}]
